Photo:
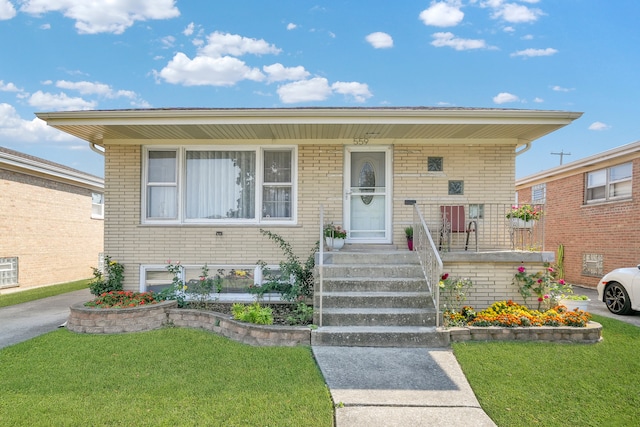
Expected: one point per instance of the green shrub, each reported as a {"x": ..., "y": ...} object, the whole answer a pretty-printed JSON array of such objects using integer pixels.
[
  {"x": 114, "y": 273},
  {"x": 252, "y": 313},
  {"x": 296, "y": 280},
  {"x": 301, "y": 315}
]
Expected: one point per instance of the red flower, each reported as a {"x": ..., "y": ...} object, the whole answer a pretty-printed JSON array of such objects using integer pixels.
[{"x": 445, "y": 276}]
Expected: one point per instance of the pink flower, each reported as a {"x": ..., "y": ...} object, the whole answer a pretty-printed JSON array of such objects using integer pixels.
[
  {"x": 521, "y": 269},
  {"x": 550, "y": 269},
  {"x": 561, "y": 282},
  {"x": 546, "y": 297}
]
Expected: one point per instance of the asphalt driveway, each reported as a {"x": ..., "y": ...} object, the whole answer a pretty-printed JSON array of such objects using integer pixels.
[{"x": 24, "y": 321}]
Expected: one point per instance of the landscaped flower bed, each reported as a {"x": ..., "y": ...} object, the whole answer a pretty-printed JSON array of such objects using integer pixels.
[{"x": 510, "y": 314}]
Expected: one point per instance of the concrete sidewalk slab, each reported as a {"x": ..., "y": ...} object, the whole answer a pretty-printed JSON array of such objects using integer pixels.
[{"x": 398, "y": 386}]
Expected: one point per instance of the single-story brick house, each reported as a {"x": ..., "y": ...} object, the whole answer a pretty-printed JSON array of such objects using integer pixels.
[
  {"x": 591, "y": 208},
  {"x": 197, "y": 185},
  {"x": 51, "y": 222}
]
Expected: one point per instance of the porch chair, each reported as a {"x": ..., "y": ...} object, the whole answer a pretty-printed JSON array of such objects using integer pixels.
[{"x": 453, "y": 221}]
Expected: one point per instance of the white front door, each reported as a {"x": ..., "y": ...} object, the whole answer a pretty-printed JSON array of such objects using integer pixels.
[{"x": 368, "y": 194}]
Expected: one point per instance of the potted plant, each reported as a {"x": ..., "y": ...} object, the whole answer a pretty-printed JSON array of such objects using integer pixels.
[
  {"x": 408, "y": 232},
  {"x": 573, "y": 302},
  {"x": 334, "y": 236},
  {"x": 523, "y": 216}
]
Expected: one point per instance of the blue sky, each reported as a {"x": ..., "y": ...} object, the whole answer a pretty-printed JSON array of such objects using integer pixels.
[{"x": 573, "y": 55}]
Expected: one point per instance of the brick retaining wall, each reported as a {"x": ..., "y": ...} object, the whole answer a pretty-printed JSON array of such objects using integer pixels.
[
  {"x": 247, "y": 333},
  {"x": 592, "y": 333},
  {"x": 118, "y": 320},
  {"x": 121, "y": 320}
]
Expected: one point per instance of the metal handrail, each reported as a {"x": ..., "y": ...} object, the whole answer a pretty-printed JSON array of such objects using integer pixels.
[
  {"x": 429, "y": 258},
  {"x": 321, "y": 266}
]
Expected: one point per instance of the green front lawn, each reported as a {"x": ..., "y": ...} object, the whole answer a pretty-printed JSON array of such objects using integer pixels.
[
  {"x": 167, "y": 377},
  {"x": 547, "y": 384},
  {"x": 43, "y": 292}
]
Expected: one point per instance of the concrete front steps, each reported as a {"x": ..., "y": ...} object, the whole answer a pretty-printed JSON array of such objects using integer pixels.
[{"x": 375, "y": 297}]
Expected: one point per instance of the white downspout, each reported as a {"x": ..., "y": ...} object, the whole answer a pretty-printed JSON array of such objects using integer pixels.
[
  {"x": 93, "y": 147},
  {"x": 526, "y": 148}
]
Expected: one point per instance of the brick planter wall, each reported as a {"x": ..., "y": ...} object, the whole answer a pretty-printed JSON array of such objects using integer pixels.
[
  {"x": 247, "y": 333},
  {"x": 592, "y": 333},
  {"x": 118, "y": 320}
]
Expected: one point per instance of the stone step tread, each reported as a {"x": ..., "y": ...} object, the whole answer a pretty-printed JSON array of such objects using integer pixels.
[
  {"x": 389, "y": 310},
  {"x": 374, "y": 279},
  {"x": 377, "y": 329},
  {"x": 374, "y": 294}
]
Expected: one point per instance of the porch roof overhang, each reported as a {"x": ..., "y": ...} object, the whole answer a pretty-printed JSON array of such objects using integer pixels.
[{"x": 418, "y": 124}]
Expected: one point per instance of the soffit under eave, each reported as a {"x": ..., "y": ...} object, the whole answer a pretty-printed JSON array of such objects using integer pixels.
[{"x": 98, "y": 133}]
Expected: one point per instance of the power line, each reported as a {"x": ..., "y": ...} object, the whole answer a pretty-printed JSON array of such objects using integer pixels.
[{"x": 561, "y": 154}]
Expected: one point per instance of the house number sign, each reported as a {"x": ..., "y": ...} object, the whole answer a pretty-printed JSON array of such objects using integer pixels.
[{"x": 360, "y": 141}]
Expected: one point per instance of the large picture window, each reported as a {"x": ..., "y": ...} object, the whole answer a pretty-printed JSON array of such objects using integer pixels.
[
  {"x": 609, "y": 184},
  {"x": 216, "y": 185}
]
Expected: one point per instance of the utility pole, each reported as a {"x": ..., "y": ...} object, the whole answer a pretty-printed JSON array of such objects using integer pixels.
[{"x": 561, "y": 154}]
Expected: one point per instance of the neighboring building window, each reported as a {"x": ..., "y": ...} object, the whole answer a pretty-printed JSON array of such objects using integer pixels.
[
  {"x": 220, "y": 185},
  {"x": 97, "y": 205},
  {"x": 476, "y": 211},
  {"x": 434, "y": 164},
  {"x": 609, "y": 184},
  {"x": 539, "y": 194},
  {"x": 592, "y": 265},
  {"x": 456, "y": 188},
  {"x": 8, "y": 272}
]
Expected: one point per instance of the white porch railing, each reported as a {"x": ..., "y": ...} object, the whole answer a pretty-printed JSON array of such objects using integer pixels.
[
  {"x": 320, "y": 267},
  {"x": 430, "y": 261}
]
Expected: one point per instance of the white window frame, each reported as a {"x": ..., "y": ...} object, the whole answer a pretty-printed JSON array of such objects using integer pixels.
[
  {"x": 259, "y": 186},
  {"x": 99, "y": 206},
  {"x": 539, "y": 194},
  {"x": 8, "y": 272},
  {"x": 607, "y": 185}
]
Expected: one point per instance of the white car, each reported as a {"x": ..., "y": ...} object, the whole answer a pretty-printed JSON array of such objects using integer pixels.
[{"x": 620, "y": 290}]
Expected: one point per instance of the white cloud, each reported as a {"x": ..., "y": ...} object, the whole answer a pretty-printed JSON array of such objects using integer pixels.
[
  {"x": 599, "y": 126},
  {"x": 278, "y": 72},
  {"x": 359, "y": 91},
  {"x": 219, "y": 44},
  {"x": 203, "y": 70},
  {"x": 316, "y": 89},
  {"x": 538, "y": 100},
  {"x": 189, "y": 29},
  {"x": 291, "y": 26},
  {"x": 527, "y": 37},
  {"x": 509, "y": 29},
  {"x": 45, "y": 26},
  {"x": 95, "y": 88},
  {"x": 7, "y": 11},
  {"x": 380, "y": 40},
  {"x": 104, "y": 16},
  {"x": 168, "y": 42},
  {"x": 535, "y": 52},
  {"x": 8, "y": 87},
  {"x": 441, "y": 14},
  {"x": 504, "y": 97},
  {"x": 560, "y": 89},
  {"x": 450, "y": 40},
  {"x": 516, "y": 13},
  {"x": 14, "y": 128},
  {"x": 60, "y": 101}
]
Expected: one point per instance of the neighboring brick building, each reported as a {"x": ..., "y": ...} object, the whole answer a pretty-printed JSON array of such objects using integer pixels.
[
  {"x": 591, "y": 209},
  {"x": 51, "y": 222}
]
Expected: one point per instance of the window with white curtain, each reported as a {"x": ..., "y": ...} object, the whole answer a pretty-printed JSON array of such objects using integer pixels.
[{"x": 202, "y": 185}]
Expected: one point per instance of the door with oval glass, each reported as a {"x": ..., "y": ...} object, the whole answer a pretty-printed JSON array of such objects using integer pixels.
[{"x": 367, "y": 194}]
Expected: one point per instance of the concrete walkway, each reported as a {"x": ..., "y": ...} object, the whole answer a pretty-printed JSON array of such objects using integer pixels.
[
  {"x": 374, "y": 386},
  {"x": 28, "y": 320}
]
